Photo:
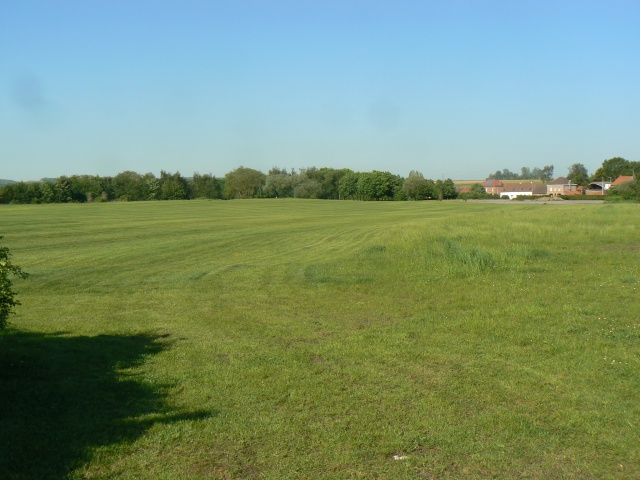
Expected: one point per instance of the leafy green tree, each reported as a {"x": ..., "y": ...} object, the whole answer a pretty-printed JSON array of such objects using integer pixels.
[
  {"x": 62, "y": 189},
  {"x": 280, "y": 171},
  {"x": 578, "y": 174},
  {"x": 312, "y": 173},
  {"x": 378, "y": 185},
  {"x": 505, "y": 174},
  {"x": 47, "y": 193},
  {"x": 349, "y": 185},
  {"x": 206, "y": 186},
  {"x": 614, "y": 167},
  {"x": 128, "y": 186},
  {"x": 7, "y": 295},
  {"x": 536, "y": 173},
  {"x": 309, "y": 188},
  {"x": 173, "y": 186},
  {"x": 86, "y": 188},
  {"x": 508, "y": 174},
  {"x": 244, "y": 183},
  {"x": 366, "y": 186},
  {"x": 416, "y": 187},
  {"x": 279, "y": 183},
  {"x": 629, "y": 190},
  {"x": 547, "y": 173},
  {"x": 544, "y": 174},
  {"x": 445, "y": 189},
  {"x": 15, "y": 193},
  {"x": 32, "y": 193},
  {"x": 151, "y": 187},
  {"x": 330, "y": 180},
  {"x": 476, "y": 192}
]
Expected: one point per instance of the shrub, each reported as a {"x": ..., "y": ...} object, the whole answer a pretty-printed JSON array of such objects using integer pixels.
[
  {"x": 625, "y": 191},
  {"x": 582, "y": 197},
  {"x": 7, "y": 295}
]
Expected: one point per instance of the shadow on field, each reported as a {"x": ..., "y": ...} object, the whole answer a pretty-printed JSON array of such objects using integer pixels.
[{"x": 62, "y": 396}]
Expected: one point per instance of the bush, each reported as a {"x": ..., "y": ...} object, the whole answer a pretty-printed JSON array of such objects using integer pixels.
[
  {"x": 582, "y": 197},
  {"x": 625, "y": 191},
  {"x": 476, "y": 192},
  {"x": 7, "y": 295}
]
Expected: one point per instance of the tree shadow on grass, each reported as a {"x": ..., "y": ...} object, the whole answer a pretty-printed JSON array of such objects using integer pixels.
[{"x": 61, "y": 397}]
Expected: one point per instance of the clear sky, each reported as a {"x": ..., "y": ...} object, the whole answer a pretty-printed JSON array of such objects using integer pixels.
[{"x": 450, "y": 88}]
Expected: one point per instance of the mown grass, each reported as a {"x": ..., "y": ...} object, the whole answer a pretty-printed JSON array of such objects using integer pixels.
[{"x": 305, "y": 339}]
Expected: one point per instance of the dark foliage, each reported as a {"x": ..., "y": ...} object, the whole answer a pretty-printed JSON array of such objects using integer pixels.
[
  {"x": 545, "y": 174},
  {"x": 614, "y": 167},
  {"x": 7, "y": 295},
  {"x": 629, "y": 190}
]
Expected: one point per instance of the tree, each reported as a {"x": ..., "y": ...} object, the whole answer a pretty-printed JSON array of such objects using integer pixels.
[
  {"x": 547, "y": 173},
  {"x": 445, "y": 189},
  {"x": 47, "y": 193},
  {"x": 331, "y": 182},
  {"x": 629, "y": 190},
  {"x": 416, "y": 187},
  {"x": 243, "y": 182},
  {"x": 7, "y": 295},
  {"x": 614, "y": 167},
  {"x": 349, "y": 185},
  {"x": 526, "y": 173},
  {"x": 173, "y": 186},
  {"x": 476, "y": 192},
  {"x": 578, "y": 174},
  {"x": 151, "y": 187},
  {"x": 206, "y": 186},
  {"x": 279, "y": 183},
  {"x": 309, "y": 188},
  {"x": 128, "y": 186},
  {"x": 378, "y": 185},
  {"x": 85, "y": 188},
  {"x": 505, "y": 174}
]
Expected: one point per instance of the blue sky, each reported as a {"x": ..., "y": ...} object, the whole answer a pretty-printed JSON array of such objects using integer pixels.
[{"x": 454, "y": 89}]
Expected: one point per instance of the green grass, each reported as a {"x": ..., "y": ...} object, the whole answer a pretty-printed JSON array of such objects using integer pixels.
[{"x": 304, "y": 339}]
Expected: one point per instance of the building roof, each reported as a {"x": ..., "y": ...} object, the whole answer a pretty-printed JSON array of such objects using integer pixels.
[
  {"x": 539, "y": 189},
  {"x": 577, "y": 191},
  {"x": 492, "y": 182},
  {"x": 559, "y": 181},
  {"x": 622, "y": 179},
  {"x": 519, "y": 187}
]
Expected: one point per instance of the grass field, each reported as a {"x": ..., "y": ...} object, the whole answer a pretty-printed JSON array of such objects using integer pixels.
[{"x": 316, "y": 339}]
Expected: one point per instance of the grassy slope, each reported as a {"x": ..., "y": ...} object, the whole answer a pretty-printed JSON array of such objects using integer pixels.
[{"x": 284, "y": 339}]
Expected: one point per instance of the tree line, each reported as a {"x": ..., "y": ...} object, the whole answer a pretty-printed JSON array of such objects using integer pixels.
[
  {"x": 312, "y": 182},
  {"x": 545, "y": 174},
  {"x": 610, "y": 169},
  {"x": 127, "y": 185},
  {"x": 243, "y": 182}
]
